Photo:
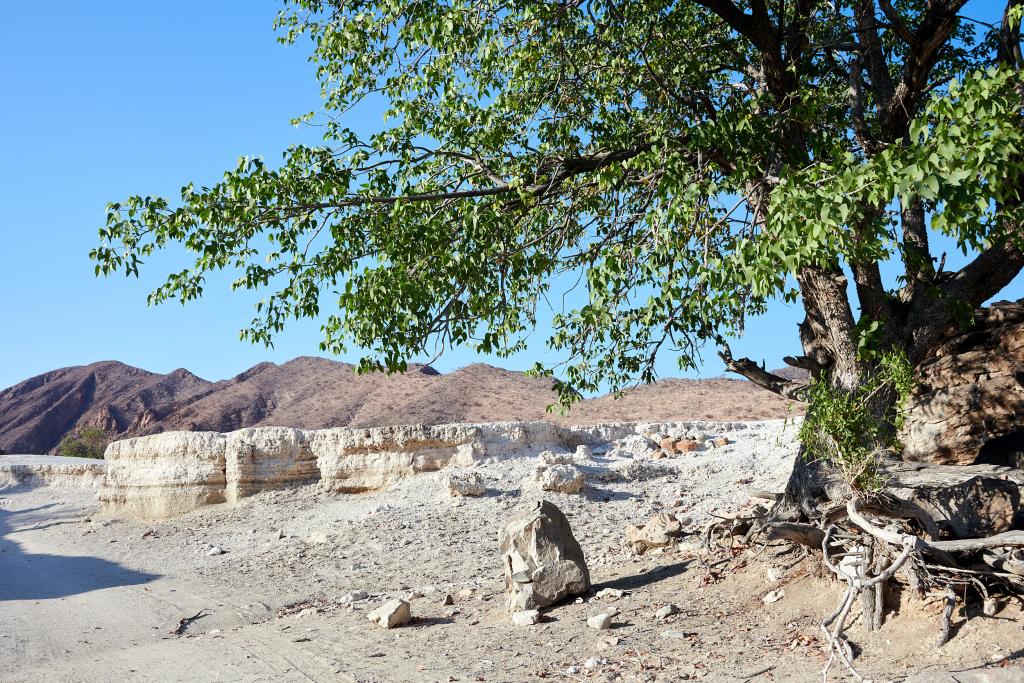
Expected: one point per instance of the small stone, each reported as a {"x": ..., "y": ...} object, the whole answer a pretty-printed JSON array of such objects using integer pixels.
[
  {"x": 668, "y": 445},
  {"x": 466, "y": 484},
  {"x": 599, "y": 621},
  {"x": 354, "y": 596},
  {"x": 583, "y": 453},
  {"x": 592, "y": 663},
  {"x": 687, "y": 445},
  {"x": 666, "y": 611},
  {"x": 613, "y": 593},
  {"x": 549, "y": 458},
  {"x": 415, "y": 595},
  {"x": 447, "y": 599},
  {"x": 721, "y": 441},
  {"x": 773, "y": 574},
  {"x": 280, "y": 534},
  {"x": 215, "y": 550},
  {"x": 992, "y": 606},
  {"x": 526, "y": 617},
  {"x": 391, "y": 614},
  {"x": 774, "y": 596}
]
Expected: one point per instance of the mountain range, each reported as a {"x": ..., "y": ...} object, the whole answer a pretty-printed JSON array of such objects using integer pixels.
[{"x": 314, "y": 393}]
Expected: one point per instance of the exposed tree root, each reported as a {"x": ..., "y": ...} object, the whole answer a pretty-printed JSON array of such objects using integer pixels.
[{"x": 871, "y": 543}]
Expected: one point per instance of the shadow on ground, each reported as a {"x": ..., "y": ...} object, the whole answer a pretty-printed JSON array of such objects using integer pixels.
[
  {"x": 654, "y": 575},
  {"x": 32, "y": 576}
]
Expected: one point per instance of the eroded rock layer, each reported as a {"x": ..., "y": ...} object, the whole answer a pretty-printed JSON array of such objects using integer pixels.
[
  {"x": 50, "y": 470},
  {"x": 167, "y": 474},
  {"x": 159, "y": 476}
]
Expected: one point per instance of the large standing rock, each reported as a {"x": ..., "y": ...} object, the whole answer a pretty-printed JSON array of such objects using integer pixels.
[
  {"x": 544, "y": 563},
  {"x": 968, "y": 406}
]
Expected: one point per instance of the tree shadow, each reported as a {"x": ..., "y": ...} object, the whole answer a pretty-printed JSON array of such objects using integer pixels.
[
  {"x": 654, "y": 575},
  {"x": 31, "y": 576}
]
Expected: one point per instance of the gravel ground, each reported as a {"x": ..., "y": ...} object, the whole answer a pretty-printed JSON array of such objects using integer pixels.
[{"x": 264, "y": 590}]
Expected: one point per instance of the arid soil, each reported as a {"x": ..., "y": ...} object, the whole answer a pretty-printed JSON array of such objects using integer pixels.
[
  {"x": 315, "y": 393},
  {"x": 83, "y": 598}
]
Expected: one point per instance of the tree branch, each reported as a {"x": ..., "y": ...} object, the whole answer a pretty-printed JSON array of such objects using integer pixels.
[
  {"x": 928, "y": 40},
  {"x": 986, "y": 275},
  {"x": 794, "y": 391}
]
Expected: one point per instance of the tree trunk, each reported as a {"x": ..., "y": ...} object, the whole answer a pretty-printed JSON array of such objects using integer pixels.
[{"x": 968, "y": 411}]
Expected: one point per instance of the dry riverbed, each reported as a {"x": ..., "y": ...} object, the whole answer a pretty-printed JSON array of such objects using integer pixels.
[{"x": 278, "y": 587}]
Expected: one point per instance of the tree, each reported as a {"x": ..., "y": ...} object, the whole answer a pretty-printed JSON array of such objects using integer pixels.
[
  {"x": 89, "y": 442},
  {"x": 688, "y": 161}
]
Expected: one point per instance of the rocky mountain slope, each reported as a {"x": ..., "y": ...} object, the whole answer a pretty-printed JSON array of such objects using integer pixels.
[{"x": 316, "y": 393}]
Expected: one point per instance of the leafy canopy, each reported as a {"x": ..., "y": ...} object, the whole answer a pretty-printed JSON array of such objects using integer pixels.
[{"x": 639, "y": 145}]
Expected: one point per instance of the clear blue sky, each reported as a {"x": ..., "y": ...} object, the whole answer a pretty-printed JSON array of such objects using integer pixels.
[{"x": 106, "y": 99}]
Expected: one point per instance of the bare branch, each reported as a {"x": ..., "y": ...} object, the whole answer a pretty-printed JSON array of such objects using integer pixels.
[{"x": 795, "y": 391}]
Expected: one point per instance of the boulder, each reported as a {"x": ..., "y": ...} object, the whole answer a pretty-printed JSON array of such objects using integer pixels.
[
  {"x": 466, "y": 484},
  {"x": 391, "y": 614},
  {"x": 543, "y": 562},
  {"x": 549, "y": 458},
  {"x": 968, "y": 405},
  {"x": 559, "y": 478},
  {"x": 663, "y": 529}
]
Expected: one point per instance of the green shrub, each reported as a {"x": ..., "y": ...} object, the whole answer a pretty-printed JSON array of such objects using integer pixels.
[
  {"x": 845, "y": 429},
  {"x": 89, "y": 442}
]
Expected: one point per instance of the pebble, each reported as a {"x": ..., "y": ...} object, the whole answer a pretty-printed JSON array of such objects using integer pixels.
[
  {"x": 215, "y": 550},
  {"x": 666, "y": 611},
  {"x": 526, "y": 618},
  {"x": 599, "y": 621},
  {"x": 354, "y": 596},
  {"x": 447, "y": 599}
]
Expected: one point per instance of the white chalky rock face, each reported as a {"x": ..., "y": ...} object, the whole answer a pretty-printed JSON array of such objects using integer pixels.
[
  {"x": 559, "y": 478},
  {"x": 51, "y": 470},
  {"x": 266, "y": 458},
  {"x": 466, "y": 484},
  {"x": 356, "y": 460},
  {"x": 543, "y": 562},
  {"x": 160, "y": 476}
]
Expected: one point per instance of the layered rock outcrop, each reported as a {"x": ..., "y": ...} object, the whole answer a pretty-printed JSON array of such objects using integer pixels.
[
  {"x": 50, "y": 470},
  {"x": 262, "y": 458},
  {"x": 164, "y": 475}
]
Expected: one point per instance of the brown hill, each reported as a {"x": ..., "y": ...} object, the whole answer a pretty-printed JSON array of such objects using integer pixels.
[{"x": 314, "y": 393}]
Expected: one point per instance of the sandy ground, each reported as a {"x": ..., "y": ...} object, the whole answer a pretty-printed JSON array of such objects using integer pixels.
[{"x": 84, "y": 598}]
